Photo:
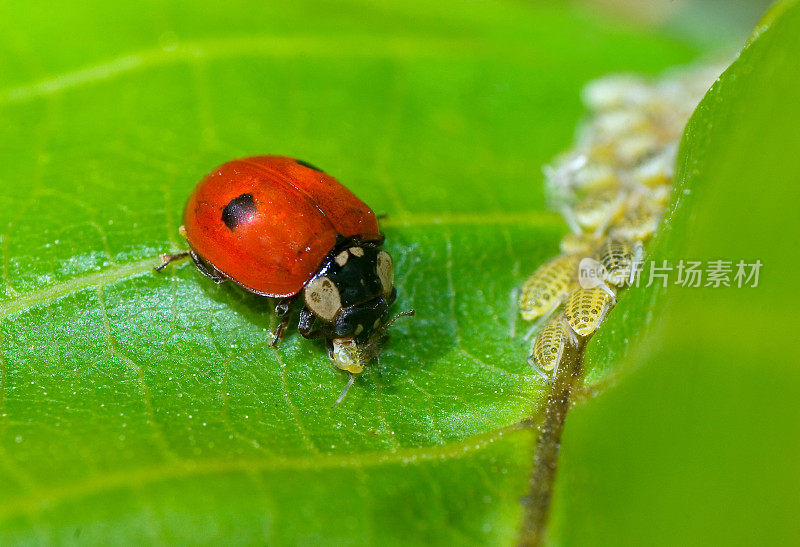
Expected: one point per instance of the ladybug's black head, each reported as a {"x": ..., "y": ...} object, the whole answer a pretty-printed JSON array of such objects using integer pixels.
[
  {"x": 352, "y": 291},
  {"x": 350, "y": 296}
]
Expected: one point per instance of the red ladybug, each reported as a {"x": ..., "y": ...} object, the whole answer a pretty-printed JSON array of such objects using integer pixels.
[{"x": 282, "y": 228}]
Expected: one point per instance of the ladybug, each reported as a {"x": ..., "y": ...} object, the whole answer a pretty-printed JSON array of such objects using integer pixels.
[{"x": 282, "y": 228}]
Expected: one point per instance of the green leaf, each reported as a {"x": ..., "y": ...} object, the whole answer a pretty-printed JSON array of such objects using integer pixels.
[
  {"x": 145, "y": 407},
  {"x": 697, "y": 441}
]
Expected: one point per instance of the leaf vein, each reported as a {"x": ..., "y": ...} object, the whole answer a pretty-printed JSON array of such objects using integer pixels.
[
  {"x": 366, "y": 46},
  {"x": 129, "y": 478},
  {"x": 293, "y": 407},
  {"x": 138, "y": 369},
  {"x": 76, "y": 284}
]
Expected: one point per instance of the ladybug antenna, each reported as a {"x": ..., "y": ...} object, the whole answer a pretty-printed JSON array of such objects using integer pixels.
[
  {"x": 407, "y": 313},
  {"x": 345, "y": 390}
]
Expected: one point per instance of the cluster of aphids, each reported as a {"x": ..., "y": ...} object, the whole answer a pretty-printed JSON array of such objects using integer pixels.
[{"x": 612, "y": 189}]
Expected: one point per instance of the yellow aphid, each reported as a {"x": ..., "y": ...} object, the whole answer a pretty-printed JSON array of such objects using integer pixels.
[
  {"x": 598, "y": 208},
  {"x": 637, "y": 224},
  {"x": 577, "y": 172},
  {"x": 548, "y": 347},
  {"x": 586, "y": 308},
  {"x": 619, "y": 257},
  {"x": 657, "y": 168},
  {"x": 633, "y": 149},
  {"x": 593, "y": 175},
  {"x": 659, "y": 195},
  {"x": 613, "y": 125},
  {"x": 548, "y": 286},
  {"x": 581, "y": 243},
  {"x": 618, "y": 91}
]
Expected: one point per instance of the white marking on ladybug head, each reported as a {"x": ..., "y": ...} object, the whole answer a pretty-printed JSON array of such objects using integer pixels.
[
  {"x": 357, "y": 251},
  {"x": 385, "y": 270},
  {"x": 341, "y": 258},
  {"x": 322, "y": 298}
]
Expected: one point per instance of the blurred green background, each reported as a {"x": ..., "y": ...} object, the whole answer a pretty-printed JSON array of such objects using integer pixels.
[{"x": 712, "y": 24}]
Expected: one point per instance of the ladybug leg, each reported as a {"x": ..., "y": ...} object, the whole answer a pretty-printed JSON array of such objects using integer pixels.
[
  {"x": 167, "y": 259},
  {"x": 283, "y": 310},
  {"x": 284, "y": 306},
  {"x": 329, "y": 345},
  {"x": 306, "y": 324},
  {"x": 206, "y": 269},
  {"x": 279, "y": 332}
]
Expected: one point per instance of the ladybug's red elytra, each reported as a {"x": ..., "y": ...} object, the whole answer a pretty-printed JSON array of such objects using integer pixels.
[{"x": 282, "y": 228}]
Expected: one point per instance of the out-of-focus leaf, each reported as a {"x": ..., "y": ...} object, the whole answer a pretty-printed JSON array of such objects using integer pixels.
[{"x": 697, "y": 442}]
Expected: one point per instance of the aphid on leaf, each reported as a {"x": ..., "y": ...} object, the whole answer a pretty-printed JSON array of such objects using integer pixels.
[
  {"x": 658, "y": 196},
  {"x": 613, "y": 125},
  {"x": 596, "y": 210},
  {"x": 637, "y": 224},
  {"x": 576, "y": 172},
  {"x": 618, "y": 91},
  {"x": 620, "y": 259},
  {"x": 548, "y": 347},
  {"x": 657, "y": 168},
  {"x": 546, "y": 288},
  {"x": 580, "y": 243},
  {"x": 585, "y": 309},
  {"x": 634, "y": 149}
]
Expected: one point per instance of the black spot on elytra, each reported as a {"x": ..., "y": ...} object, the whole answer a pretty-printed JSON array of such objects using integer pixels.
[
  {"x": 309, "y": 165},
  {"x": 238, "y": 210}
]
